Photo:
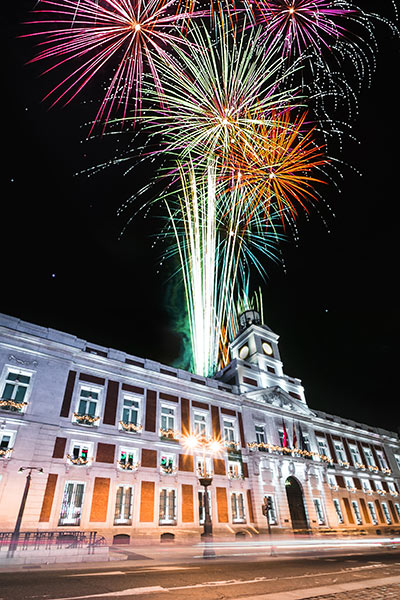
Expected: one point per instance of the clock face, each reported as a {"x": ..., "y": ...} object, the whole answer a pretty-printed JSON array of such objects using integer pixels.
[
  {"x": 267, "y": 348},
  {"x": 244, "y": 352}
]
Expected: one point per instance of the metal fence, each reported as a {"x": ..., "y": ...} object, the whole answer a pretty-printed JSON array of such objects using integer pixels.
[{"x": 44, "y": 540}]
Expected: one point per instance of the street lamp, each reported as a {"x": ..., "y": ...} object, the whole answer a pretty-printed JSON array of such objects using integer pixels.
[
  {"x": 208, "y": 446},
  {"x": 15, "y": 534}
]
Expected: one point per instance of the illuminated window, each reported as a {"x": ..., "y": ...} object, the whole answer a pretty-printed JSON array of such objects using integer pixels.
[
  {"x": 372, "y": 512},
  {"x": 369, "y": 457},
  {"x": 397, "y": 507},
  {"x": 229, "y": 430},
  {"x": 355, "y": 454},
  {"x": 319, "y": 511},
  {"x": 382, "y": 460},
  {"x": 128, "y": 458},
  {"x": 340, "y": 453},
  {"x": 235, "y": 470},
  {"x": 130, "y": 410},
  {"x": 88, "y": 408},
  {"x": 14, "y": 389},
  {"x": 168, "y": 463},
  {"x": 167, "y": 418},
  {"x": 71, "y": 508},
  {"x": 167, "y": 512},
  {"x": 200, "y": 423},
  {"x": 386, "y": 513},
  {"x": 6, "y": 443},
  {"x": 80, "y": 452},
  {"x": 237, "y": 503},
  {"x": 323, "y": 447},
  {"x": 260, "y": 434},
  {"x": 123, "y": 505},
  {"x": 339, "y": 513},
  {"x": 357, "y": 512}
]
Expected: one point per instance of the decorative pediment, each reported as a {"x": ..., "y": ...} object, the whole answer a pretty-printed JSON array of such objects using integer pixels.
[{"x": 275, "y": 396}]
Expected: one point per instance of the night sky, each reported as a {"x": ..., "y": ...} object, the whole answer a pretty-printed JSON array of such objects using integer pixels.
[{"x": 65, "y": 265}]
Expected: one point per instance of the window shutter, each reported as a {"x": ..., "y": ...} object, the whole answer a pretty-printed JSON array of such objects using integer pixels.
[
  {"x": 149, "y": 458},
  {"x": 110, "y": 409},
  {"x": 186, "y": 462},
  {"x": 151, "y": 407},
  {"x": 241, "y": 430},
  {"x": 147, "y": 502},
  {"x": 69, "y": 388},
  {"x": 219, "y": 466},
  {"x": 187, "y": 503},
  {"x": 59, "y": 447},
  {"x": 48, "y": 498},
  {"x": 216, "y": 425},
  {"x": 222, "y": 505},
  {"x": 98, "y": 512},
  {"x": 250, "y": 505},
  {"x": 105, "y": 453},
  {"x": 185, "y": 416}
]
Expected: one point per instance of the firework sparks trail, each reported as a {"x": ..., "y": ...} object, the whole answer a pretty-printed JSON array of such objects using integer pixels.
[
  {"x": 274, "y": 169},
  {"x": 126, "y": 33},
  {"x": 210, "y": 99}
]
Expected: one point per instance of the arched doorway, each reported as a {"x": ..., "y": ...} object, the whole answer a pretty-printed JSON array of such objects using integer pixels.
[{"x": 294, "y": 495}]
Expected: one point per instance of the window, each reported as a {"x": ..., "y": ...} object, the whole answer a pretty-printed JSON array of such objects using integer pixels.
[
  {"x": 332, "y": 482},
  {"x": 369, "y": 457},
  {"x": 357, "y": 512},
  {"x": 386, "y": 513},
  {"x": 6, "y": 443},
  {"x": 339, "y": 513},
  {"x": 260, "y": 435},
  {"x": 128, "y": 459},
  {"x": 323, "y": 447},
  {"x": 319, "y": 511},
  {"x": 14, "y": 394},
  {"x": 71, "y": 508},
  {"x": 382, "y": 460},
  {"x": 123, "y": 505},
  {"x": 80, "y": 453},
  {"x": 235, "y": 470},
  {"x": 366, "y": 486},
  {"x": 340, "y": 453},
  {"x": 397, "y": 507},
  {"x": 201, "y": 505},
  {"x": 229, "y": 430},
  {"x": 397, "y": 459},
  {"x": 168, "y": 420},
  {"x": 167, "y": 506},
  {"x": 200, "y": 423},
  {"x": 88, "y": 406},
  {"x": 131, "y": 414},
  {"x": 168, "y": 464},
  {"x": 355, "y": 454},
  {"x": 237, "y": 502},
  {"x": 392, "y": 488},
  {"x": 204, "y": 466},
  {"x": 372, "y": 512},
  {"x": 349, "y": 484}
]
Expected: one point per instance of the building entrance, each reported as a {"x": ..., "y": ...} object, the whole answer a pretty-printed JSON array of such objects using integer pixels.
[{"x": 296, "y": 505}]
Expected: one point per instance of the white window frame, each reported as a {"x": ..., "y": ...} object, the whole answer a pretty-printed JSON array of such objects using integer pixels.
[
  {"x": 260, "y": 433},
  {"x": 369, "y": 457},
  {"x": 366, "y": 485},
  {"x": 356, "y": 511},
  {"x": 122, "y": 520},
  {"x": 397, "y": 508},
  {"x": 232, "y": 429},
  {"x": 197, "y": 412},
  {"x": 349, "y": 483},
  {"x": 199, "y": 462},
  {"x": 338, "y": 509},
  {"x": 235, "y": 469},
  {"x": 71, "y": 520},
  {"x": 238, "y": 507},
  {"x": 323, "y": 449},
  {"x": 173, "y": 416},
  {"x": 319, "y": 511},
  {"x": 382, "y": 460},
  {"x": 171, "y": 462},
  {"x": 80, "y": 444},
  {"x": 10, "y": 445},
  {"x": 355, "y": 454},
  {"x": 332, "y": 483},
  {"x": 25, "y": 372},
  {"x": 372, "y": 512},
  {"x": 386, "y": 512},
  {"x": 168, "y": 520},
  {"x": 139, "y": 410},
  {"x": 397, "y": 459},
  {"x": 340, "y": 451},
  {"x": 99, "y": 402},
  {"x": 128, "y": 450}
]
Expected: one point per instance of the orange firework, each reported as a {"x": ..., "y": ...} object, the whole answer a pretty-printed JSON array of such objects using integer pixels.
[{"x": 274, "y": 168}]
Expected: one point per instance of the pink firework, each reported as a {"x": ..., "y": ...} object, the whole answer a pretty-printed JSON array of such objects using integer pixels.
[
  {"x": 123, "y": 34},
  {"x": 301, "y": 24}
]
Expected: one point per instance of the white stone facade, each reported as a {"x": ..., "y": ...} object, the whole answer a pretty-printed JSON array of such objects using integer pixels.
[{"x": 62, "y": 401}]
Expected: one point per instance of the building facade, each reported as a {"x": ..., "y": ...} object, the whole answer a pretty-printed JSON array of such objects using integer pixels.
[{"x": 110, "y": 432}]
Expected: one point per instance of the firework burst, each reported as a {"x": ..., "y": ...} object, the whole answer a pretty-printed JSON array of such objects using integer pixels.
[{"x": 125, "y": 35}]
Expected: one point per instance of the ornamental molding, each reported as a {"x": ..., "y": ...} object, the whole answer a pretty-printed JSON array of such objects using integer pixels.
[
  {"x": 278, "y": 398},
  {"x": 21, "y": 362}
]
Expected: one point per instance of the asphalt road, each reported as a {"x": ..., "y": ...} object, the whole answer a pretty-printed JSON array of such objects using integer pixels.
[{"x": 225, "y": 577}]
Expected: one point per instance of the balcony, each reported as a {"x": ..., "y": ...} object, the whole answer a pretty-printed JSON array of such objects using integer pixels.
[
  {"x": 12, "y": 406},
  {"x": 169, "y": 435},
  {"x": 128, "y": 465},
  {"x": 130, "y": 427},
  {"x": 233, "y": 448},
  {"x": 78, "y": 460},
  {"x": 83, "y": 419},
  {"x": 5, "y": 452}
]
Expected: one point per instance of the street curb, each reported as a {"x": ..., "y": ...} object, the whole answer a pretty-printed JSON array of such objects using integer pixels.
[{"x": 325, "y": 590}]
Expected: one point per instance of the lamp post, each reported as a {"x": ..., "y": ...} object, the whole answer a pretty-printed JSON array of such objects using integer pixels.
[
  {"x": 15, "y": 534},
  {"x": 210, "y": 446}
]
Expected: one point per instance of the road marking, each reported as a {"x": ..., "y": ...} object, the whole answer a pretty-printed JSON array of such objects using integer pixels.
[
  {"x": 95, "y": 574},
  {"x": 130, "y": 592},
  {"x": 138, "y": 570}
]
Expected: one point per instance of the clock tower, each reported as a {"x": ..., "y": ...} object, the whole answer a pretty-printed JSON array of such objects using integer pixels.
[{"x": 256, "y": 361}]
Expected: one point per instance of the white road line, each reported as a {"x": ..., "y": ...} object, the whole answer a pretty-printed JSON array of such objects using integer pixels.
[
  {"x": 95, "y": 574},
  {"x": 139, "y": 570}
]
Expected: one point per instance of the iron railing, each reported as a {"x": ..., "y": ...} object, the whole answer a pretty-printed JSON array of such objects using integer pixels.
[{"x": 44, "y": 540}]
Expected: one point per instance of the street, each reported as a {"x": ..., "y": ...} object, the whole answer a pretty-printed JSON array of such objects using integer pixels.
[{"x": 244, "y": 571}]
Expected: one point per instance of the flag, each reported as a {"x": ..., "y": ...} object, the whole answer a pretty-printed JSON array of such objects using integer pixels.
[
  {"x": 294, "y": 438},
  {"x": 285, "y": 440}
]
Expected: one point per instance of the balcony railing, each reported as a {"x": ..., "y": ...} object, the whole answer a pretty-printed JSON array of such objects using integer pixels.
[
  {"x": 78, "y": 460},
  {"x": 12, "y": 406},
  {"x": 84, "y": 419},
  {"x": 168, "y": 469},
  {"x": 127, "y": 465}
]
